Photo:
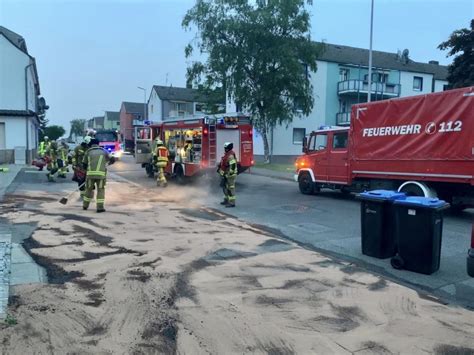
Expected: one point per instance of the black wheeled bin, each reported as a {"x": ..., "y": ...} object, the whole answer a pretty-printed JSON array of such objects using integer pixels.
[
  {"x": 419, "y": 230},
  {"x": 377, "y": 222}
]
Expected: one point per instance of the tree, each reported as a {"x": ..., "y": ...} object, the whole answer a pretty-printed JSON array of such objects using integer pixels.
[
  {"x": 54, "y": 132},
  {"x": 259, "y": 53},
  {"x": 461, "y": 43},
  {"x": 77, "y": 127}
]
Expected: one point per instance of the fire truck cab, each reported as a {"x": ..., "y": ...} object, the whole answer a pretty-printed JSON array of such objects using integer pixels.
[{"x": 196, "y": 144}]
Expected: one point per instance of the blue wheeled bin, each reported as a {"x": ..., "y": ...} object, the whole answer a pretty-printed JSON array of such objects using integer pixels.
[
  {"x": 377, "y": 222},
  {"x": 419, "y": 230}
]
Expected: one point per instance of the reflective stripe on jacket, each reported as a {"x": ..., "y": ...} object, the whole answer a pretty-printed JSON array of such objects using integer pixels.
[
  {"x": 162, "y": 154},
  {"x": 96, "y": 159},
  {"x": 229, "y": 164},
  {"x": 78, "y": 155},
  {"x": 42, "y": 147}
]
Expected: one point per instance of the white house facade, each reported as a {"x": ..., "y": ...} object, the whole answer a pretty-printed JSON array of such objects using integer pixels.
[
  {"x": 20, "y": 104},
  {"x": 341, "y": 81},
  {"x": 167, "y": 102}
]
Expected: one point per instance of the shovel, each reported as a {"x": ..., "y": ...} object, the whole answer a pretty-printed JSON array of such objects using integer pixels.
[{"x": 65, "y": 199}]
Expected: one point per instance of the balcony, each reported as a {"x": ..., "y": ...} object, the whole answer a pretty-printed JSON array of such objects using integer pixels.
[
  {"x": 361, "y": 87},
  {"x": 343, "y": 118}
]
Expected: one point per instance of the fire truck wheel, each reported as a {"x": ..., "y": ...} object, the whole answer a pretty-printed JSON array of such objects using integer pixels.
[
  {"x": 179, "y": 174},
  {"x": 416, "y": 188},
  {"x": 305, "y": 184}
]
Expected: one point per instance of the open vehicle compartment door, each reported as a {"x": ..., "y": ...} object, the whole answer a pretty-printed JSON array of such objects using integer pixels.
[
  {"x": 227, "y": 135},
  {"x": 143, "y": 144}
]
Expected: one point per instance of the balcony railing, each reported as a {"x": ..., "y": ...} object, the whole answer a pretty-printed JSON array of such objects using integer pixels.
[
  {"x": 355, "y": 86},
  {"x": 343, "y": 118}
]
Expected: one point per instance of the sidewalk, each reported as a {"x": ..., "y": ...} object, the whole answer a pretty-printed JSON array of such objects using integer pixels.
[
  {"x": 273, "y": 174},
  {"x": 6, "y": 178},
  {"x": 16, "y": 266}
]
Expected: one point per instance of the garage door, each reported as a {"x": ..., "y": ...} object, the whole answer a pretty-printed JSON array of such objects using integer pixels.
[{"x": 3, "y": 144}]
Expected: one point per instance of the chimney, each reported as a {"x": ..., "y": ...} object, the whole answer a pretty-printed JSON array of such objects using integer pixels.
[{"x": 435, "y": 62}]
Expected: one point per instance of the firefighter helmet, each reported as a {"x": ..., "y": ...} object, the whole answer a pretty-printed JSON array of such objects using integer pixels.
[
  {"x": 91, "y": 132},
  {"x": 46, "y": 138},
  {"x": 87, "y": 139},
  {"x": 228, "y": 146}
]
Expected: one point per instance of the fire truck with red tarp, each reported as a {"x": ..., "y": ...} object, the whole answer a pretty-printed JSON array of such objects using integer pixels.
[
  {"x": 421, "y": 145},
  {"x": 196, "y": 143}
]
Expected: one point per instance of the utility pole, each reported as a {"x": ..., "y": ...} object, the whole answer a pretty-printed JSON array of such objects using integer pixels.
[
  {"x": 145, "y": 113},
  {"x": 369, "y": 94}
]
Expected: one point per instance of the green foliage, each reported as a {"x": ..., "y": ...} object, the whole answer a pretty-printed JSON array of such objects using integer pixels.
[
  {"x": 53, "y": 132},
  {"x": 10, "y": 320},
  {"x": 461, "y": 44},
  {"x": 259, "y": 53},
  {"x": 77, "y": 127}
]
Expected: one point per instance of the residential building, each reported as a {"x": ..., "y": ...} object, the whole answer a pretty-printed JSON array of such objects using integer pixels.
[
  {"x": 20, "y": 104},
  {"x": 96, "y": 123},
  {"x": 132, "y": 114},
  {"x": 169, "y": 102},
  {"x": 112, "y": 120},
  {"x": 341, "y": 80}
]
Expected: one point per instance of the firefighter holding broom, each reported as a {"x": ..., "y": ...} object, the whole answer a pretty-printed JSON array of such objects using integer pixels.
[
  {"x": 95, "y": 163},
  {"x": 77, "y": 158}
]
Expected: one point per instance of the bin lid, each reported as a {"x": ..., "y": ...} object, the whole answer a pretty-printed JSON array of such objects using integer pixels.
[
  {"x": 384, "y": 195},
  {"x": 426, "y": 202}
]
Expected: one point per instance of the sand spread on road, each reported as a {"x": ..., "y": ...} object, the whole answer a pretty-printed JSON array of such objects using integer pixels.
[{"x": 159, "y": 274}]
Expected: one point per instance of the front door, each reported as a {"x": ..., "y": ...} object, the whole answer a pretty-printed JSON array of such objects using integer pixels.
[
  {"x": 319, "y": 151},
  {"x": 337, "y": 160}
]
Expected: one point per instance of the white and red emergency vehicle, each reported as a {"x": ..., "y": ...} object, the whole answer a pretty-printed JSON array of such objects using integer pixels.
[
  {"x": 421, "y": 145},
  {"x": 196, "y": 144},
  {"x": 110, "y": 141}
]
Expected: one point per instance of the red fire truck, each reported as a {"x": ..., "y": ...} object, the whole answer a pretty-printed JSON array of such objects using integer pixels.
[
  {"x": 110, "y": 141},
  {"x": 196, "y": 144},
  {"x": 421, "y": 145}
]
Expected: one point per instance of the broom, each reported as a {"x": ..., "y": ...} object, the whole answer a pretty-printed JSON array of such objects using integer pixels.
[{"x": 65, "y": 199}]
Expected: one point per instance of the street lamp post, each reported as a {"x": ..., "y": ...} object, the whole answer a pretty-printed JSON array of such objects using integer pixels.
[
  {"x": 369, "y": 96},
  {"x": 145, "y": 113}
]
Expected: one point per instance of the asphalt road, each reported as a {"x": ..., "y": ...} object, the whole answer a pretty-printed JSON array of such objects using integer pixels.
[{"x": 330, "y": 223}]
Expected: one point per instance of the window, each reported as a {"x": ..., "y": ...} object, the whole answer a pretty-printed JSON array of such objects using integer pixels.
[
  {"x": 377, "y": 77},
  {"x": 343, "y": 74},
  {"x": 298, "y": 135},
  {"x": 417, "y": 83},
  {"x": 318, "y": 142},
  {"x": 445, "y": 87},
  {"x": 298, "y": 104},
  {"x": 151, "y": 108},
  {"x": 339, "y": 140},
  {"x": 199, "y": 107},
  {"x": 180, "y": 108}
]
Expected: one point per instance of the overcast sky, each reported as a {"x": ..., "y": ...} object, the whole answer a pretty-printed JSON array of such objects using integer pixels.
[{"x": 92, "y": 55}]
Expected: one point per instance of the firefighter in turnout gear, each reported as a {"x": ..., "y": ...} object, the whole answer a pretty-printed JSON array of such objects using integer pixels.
[
  {"x": 52, "y": 153},
  {"x": 160, "y": 158},
  {"x": 63, "y": 152},
  {"x": 43, "y": 147},
  {"x": 77, "y": 158},
  {"x": 228, "y": 171},
  {"x": 95, "y": 163}
]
